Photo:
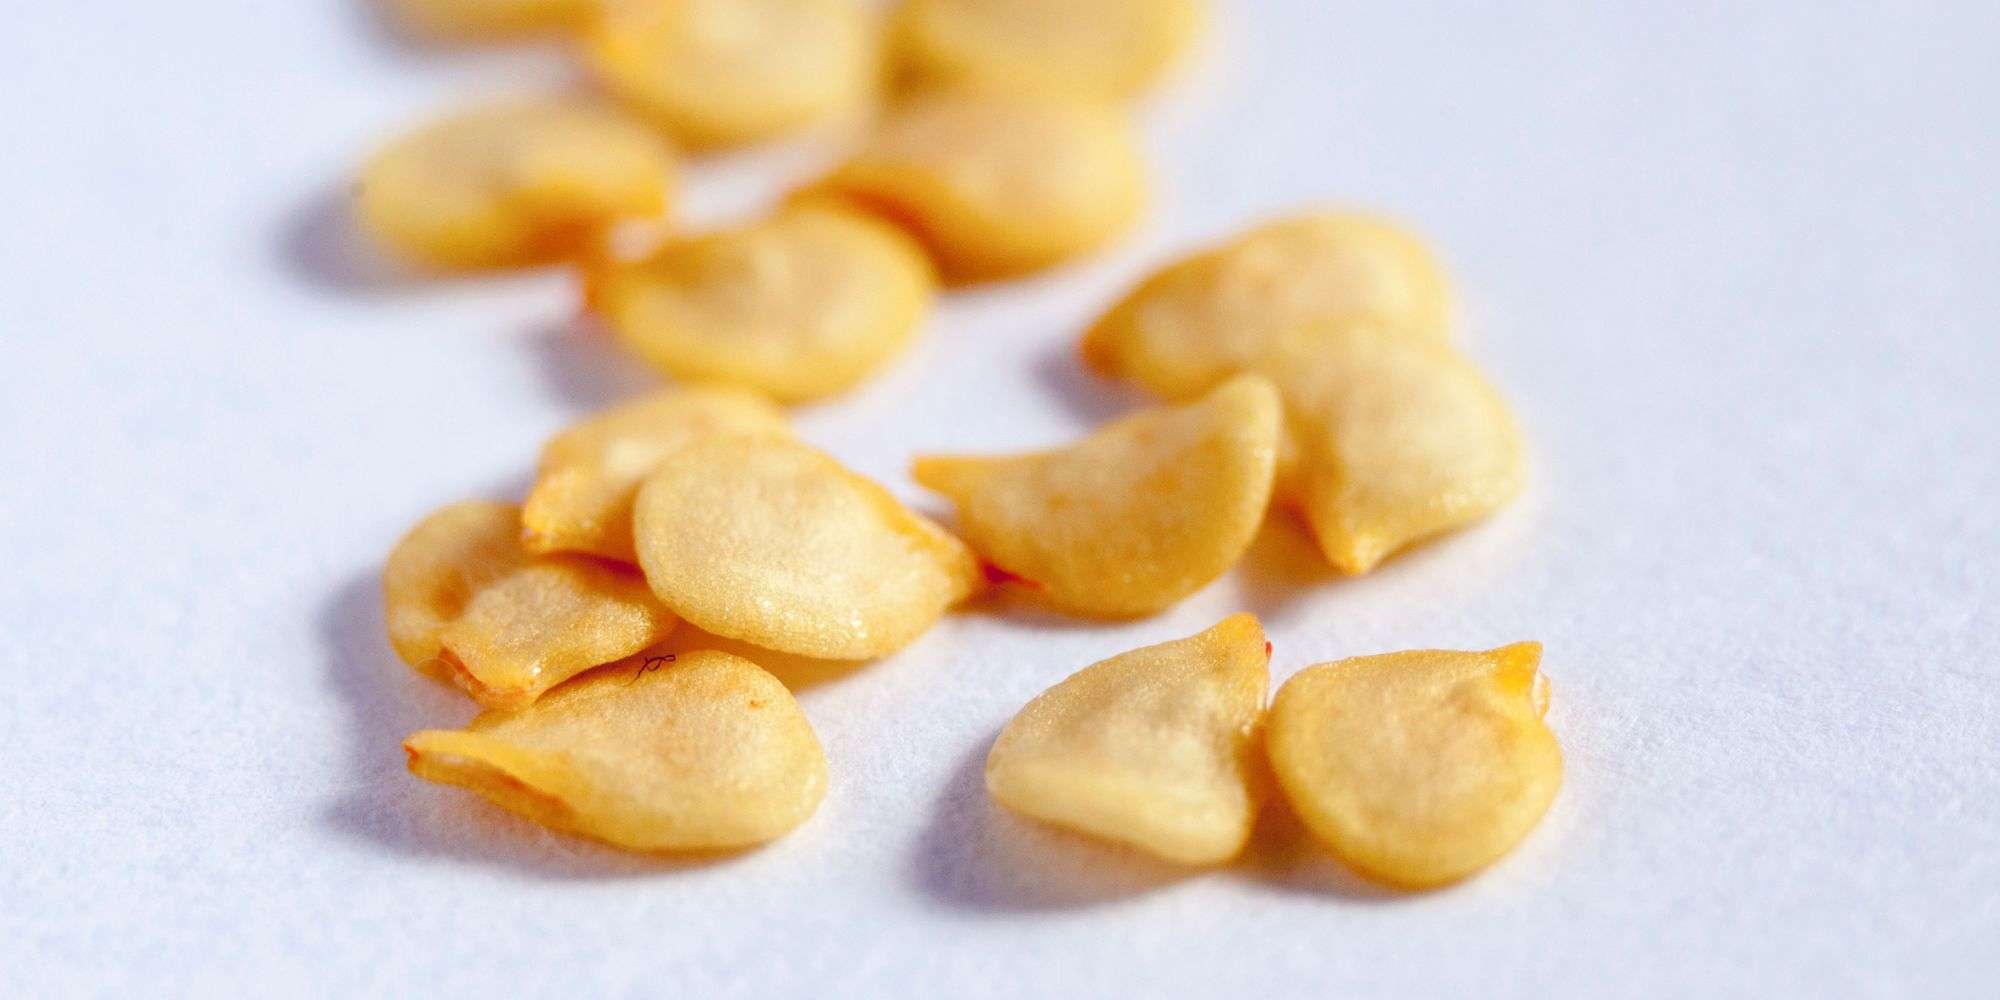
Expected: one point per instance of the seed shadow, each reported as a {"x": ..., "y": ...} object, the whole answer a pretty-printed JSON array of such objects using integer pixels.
[
  {"x": 386, "y": 809},
  {"x": 797, "y": 673},
  {"x": 1021, "y": 605},
  {"x": 320, "y": 243},
  {"x": 1084, "y": 394},
  {"x": 1281, "y": 566},
  {"x": 582, "y": 368},
  {"x": 975, "y": 856},
  {"x": 380, "y": 21},
  {"x": 1282, "y": 855},
  {"x": 1284, "y": 564}
]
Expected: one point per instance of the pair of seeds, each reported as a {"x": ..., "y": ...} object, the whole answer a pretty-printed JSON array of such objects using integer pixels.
[
  {"x": 1416, "y": 768},
  {"x": 1315, "y": 353},
  {"x": 1391, "y": 436}
]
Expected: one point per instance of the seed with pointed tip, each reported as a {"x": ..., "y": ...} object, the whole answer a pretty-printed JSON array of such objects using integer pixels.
[
  {"x": 1418, "y": 768},
  {"x": 707, "y": 752},
  {"x": 1156, "y": 748}
]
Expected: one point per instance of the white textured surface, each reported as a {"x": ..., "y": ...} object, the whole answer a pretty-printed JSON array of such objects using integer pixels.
[{"x": 1735, "y": 263}]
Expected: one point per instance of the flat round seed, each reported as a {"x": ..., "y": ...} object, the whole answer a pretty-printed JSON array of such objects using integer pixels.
[
  {"x": 1136, "y": 516},
  {"x": 998, "y": 184},
  {"x": 513, "y": 184},
  {"x": 1090, "y": 48},
  {"x": 1157, "y": 748},
  {"x": 768, "y": 540},
  {"x": 805, "y": 304},
  {"x": 725, "y": 72},
  {"x": 1284, "y": 284},
  {"x": 700, "y": 751},
  {"x": 464, "y": 602},
  {"x": 1418, "y": 768}
]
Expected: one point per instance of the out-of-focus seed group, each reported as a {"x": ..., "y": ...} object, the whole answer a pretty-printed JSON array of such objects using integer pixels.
[{"x": 1307, "y": 365}]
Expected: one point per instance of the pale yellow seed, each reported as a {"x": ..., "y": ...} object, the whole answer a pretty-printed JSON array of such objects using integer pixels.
[
  {"x": 998, "y": 184},
  {"x": 514, "y": 184},
  {"x": 465, "y": 602},
  {"x": 1418, "y": 768},
  {"x": 1390, "y": 440},
  {"x": 770, "y": 541},
  {"x": 1283, "y": 285},
  {"x": 1087, "y": 48},
  {"x": 1157, "y": 748},
  {"x": 590, "y": 473},
  {"x": 725, "y": 72},
  {"x": 703, "y": 752},
  {"x": 805, "y": 304},
  {"x": 1136, "y": 516}
]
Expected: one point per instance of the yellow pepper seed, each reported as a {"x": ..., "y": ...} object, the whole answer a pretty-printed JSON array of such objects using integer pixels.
[
  {"x": 1157, "y": 748},
  {"x": 998, "y": 184},
  {"x": 591, "y": 472},
  {"x": 514, "y": 184},
  {"x": 1136, "y": 516},
  {"x": 1418, "y": 768},
  {"x": 464, "y": 602},
  {"x": 1390, "y": 440},
  {"x": 1285, "y": 284},
  {"x": 802, "y": 305},
  {"x": 706, "y": 752},
  {"x": 1090, "y": 48},
  {"x": 767, "y": 540},
  {"x": 725, "y": 72}
]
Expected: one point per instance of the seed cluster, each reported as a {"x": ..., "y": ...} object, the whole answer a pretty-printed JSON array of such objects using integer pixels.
[{"x": 1306, "y": 365}]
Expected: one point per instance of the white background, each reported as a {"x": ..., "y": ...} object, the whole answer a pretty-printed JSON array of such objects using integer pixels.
[{"x": 1738, "y": 266}]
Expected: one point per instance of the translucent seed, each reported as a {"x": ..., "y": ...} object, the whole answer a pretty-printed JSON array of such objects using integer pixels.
[
  {"x": 470, "y": 18},
  {"x": 805, "y": 304},
  {"x": 1418, "y": 768},
  {"x": 1157, "y": 748},
  {"x": 1094, "y": 48},
  {"x": 1390, "y": 440},
  {"x": 1284, "y": 284},
  {"x": 767, "y": 540},
  {"x": 591, "y": 472},
  {"x": 724, "y": 72},
  {"x": 514, "y": 184},
  {"x": 707, "y": 752},
  {"x": 465, "y": 602},
  {"x": 522, "y": 181},
  {"x": 999, "y": 184},
  {"x": 1134, "y": 517}
]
